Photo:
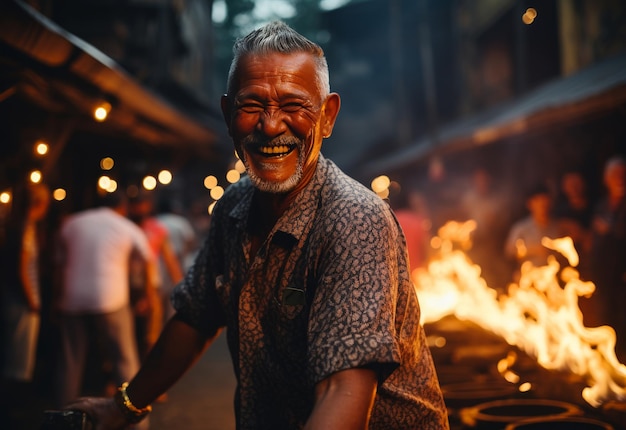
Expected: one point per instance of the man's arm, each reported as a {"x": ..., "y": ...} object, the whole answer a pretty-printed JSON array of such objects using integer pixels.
[
  {"x": 177, "y": 349},
  {"x": 344, "y": 400}
]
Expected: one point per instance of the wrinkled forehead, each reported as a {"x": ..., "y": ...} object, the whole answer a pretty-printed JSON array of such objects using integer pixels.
[{"x": 298, "y": 68}]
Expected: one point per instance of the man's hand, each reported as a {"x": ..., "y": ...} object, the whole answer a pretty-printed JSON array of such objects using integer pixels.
[{"x": 104, "y": 412}]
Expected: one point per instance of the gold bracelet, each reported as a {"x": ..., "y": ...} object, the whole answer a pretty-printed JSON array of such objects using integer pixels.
[{"x": 131, "y": 412}]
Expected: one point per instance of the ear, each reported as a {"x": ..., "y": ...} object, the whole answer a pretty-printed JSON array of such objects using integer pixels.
[
  {"x": 226, "y": 106},
  {"x": 329, "y": 113}
]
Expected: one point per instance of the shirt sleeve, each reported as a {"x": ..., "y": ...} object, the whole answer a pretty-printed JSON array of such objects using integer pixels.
[{"x": 352, "y": 320}]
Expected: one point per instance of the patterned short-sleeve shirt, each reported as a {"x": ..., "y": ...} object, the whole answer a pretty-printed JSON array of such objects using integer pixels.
[{"x": 328, "y": 290}]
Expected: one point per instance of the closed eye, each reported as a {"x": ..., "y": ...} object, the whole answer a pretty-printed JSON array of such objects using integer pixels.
[
  {"x": 251, "y": 107},
  {"x": 291, "y": 107}
]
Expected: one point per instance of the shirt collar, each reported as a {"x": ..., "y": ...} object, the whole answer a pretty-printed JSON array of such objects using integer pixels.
[{"x": 292, "y": 221}]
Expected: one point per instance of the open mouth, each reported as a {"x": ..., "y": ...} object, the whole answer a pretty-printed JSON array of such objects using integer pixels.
[{"x": 274, "y": 150}]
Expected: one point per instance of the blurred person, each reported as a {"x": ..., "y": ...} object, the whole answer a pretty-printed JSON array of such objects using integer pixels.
[
  {"x": 410, "y": 209},
  {"x": 183, "y": 243},
  {"x": 523, "y": 242},
  {"x": 573, "y": 201},
  {"x": 93, "y": 299},
  {"x": 141, "y": 211},
  {"x": 608, "y": 250},
  {"x": 486, "y": 205},
  {"x": 200, "y": 218},
  {"x": 573, "y": 207},
  {"x": 305, "y": 268},
  {"x": 21, "y": 300}
]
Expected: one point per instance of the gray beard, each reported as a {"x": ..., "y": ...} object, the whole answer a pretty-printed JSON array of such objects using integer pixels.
[
  {"x": 280, "y": 187},
  {"x": 277, "y": 187}
]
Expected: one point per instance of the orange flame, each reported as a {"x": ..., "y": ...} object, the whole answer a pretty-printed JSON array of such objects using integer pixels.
[{"x": 537, "y": 314}]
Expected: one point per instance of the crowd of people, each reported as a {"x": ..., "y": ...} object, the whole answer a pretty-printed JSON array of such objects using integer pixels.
[{"x": 97, "y": 307}]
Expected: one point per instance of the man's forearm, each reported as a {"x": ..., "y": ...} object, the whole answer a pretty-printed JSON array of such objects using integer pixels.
[
  {"x": 176, "y": 350},
  {"x": 344, "y": 400}
]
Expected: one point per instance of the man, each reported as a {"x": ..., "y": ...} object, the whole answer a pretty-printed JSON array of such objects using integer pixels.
[
  {"x": 523, "y": 242},
  {"x": 305, "y": 267},
  {"x": 412, "y": 214},
  {"x": 20, "y": 301},
  {"x": 608, "y": 251},
  {"x": 93, "y": 298}
]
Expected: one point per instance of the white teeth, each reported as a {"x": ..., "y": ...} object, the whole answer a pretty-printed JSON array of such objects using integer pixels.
[{"x": 281, "y": 149}]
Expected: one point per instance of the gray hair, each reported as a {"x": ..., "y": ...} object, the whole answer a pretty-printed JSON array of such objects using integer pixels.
[{"x": 278, "y": 37}]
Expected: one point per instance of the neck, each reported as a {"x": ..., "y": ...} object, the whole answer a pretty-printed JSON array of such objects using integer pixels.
[
  {"x": 269, "y": 207},
  {"x": 273, "y": 205},
  {"x": 265, "y": 211}
]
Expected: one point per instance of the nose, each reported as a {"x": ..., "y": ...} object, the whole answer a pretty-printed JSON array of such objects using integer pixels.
[{"x": 271, "y": 122}]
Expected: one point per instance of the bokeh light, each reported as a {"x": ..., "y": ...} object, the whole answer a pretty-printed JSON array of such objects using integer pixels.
[
  {"x": 232, "y": 176},
  {"x": 59, "y": 194},
  {"x": 107, "y": 163},
  {"x": 380, "y": 183},
  {"x": 210, "y": 182},
  {"x": 217, "y": 192},
  {"x": 101, "y": 111},
  {"x": 104, "y": 182},
  {"x": 149, "y": 182},
  {"x": 240, "y": 167},
  {"x": 529, "y": 16},
  {"x": 5, "y": 197},
  {"x": 165, "y": 177},
  {"x": 35, "y": 176},
  {"x": 112, "y": 186},
  {"x": 41, "y": 148}
]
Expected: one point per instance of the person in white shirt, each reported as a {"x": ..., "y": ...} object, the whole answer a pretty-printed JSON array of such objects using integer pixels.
[
  {"x": 524, "y": 240},
  {"x": 93, "y": 298}
]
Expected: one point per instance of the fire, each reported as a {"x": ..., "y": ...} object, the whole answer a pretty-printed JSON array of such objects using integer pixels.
[{"x": 538, "y": 314}]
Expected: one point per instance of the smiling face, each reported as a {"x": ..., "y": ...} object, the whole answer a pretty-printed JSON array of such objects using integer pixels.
[{"x": 278, "y": 115}]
